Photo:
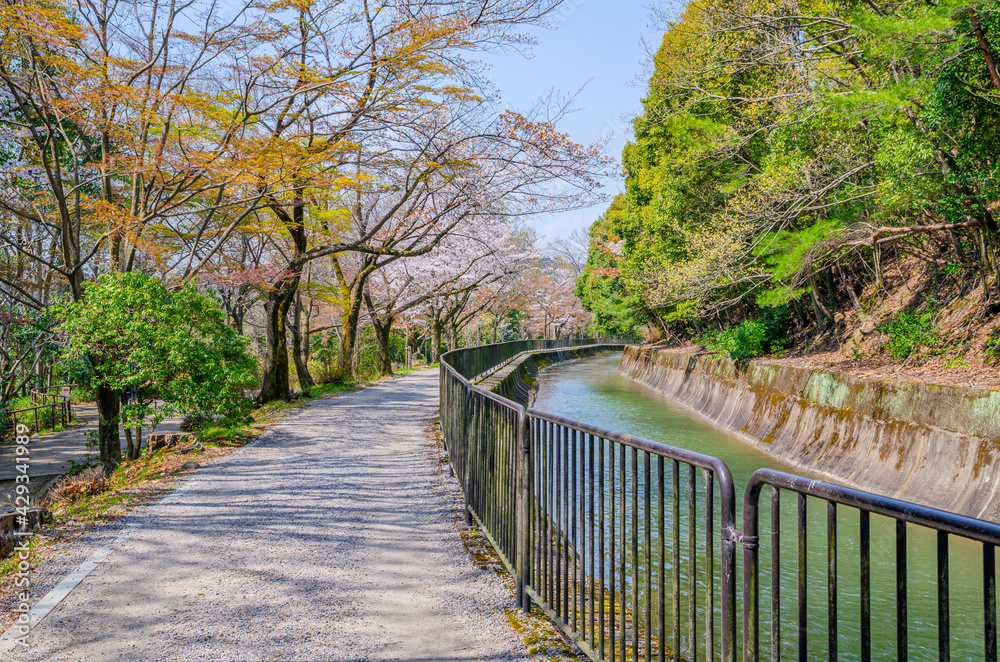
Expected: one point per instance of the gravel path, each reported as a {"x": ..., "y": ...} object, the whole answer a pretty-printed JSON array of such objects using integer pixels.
[{"x": 332, "y": 539}]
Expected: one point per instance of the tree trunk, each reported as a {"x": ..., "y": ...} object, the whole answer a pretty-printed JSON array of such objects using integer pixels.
[
  {"x": 109, "y": 442},
  {"x": 133, "y": 439},
  {"x": 383, "y": 336},
  {"x": 850, "y": 291},
  {"x": 956, "y": 243},
  {"x": 435, "y": 341},
  {"x": 276, "y": 385},
  {"x": 984, "y": 47},
  {"x": 349, "y": 338},
  {"x": 299, "y": 353},
  {"x": 128, "y": 443},
  {"x": 822, "y": 314},
  {"x": 877, "y": 255},
  {"x": 831, "y": 291}
]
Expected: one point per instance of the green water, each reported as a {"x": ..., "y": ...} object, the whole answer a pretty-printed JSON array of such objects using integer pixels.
[{"x": 592, "y": 390}]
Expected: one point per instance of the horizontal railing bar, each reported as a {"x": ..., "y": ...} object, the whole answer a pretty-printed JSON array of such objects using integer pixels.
[
  {"x": 469, "y": 362},
  {"x": 941, "y": 520},
  {"x": 61, "y": 403},
  {"x": 699, "y": 460}
]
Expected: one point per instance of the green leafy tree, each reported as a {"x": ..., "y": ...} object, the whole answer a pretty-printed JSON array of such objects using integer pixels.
[
  {"x": 783, "y": 147},
  {"x": 169, "y": 351},
  {"x": 618, "y": 312}
]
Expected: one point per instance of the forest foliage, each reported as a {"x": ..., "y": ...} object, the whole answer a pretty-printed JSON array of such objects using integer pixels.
[
  {"x": 332, "y": 181},
  {"x": 785, "y": 147}
]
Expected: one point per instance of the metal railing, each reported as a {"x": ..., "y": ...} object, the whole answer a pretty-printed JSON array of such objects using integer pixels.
[
  {"x": 472, "y": 362},
  {"x": 573, "y": 511},
  {"x": 941, "y": 523},
  {"x": 622, "y": 545},
  {"x": 59, "y": 412},
  {"x": 613, "y": 534}
]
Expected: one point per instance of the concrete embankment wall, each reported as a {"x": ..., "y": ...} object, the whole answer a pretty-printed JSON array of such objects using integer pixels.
[
  {"x": 934, "y": 445},
  {"x": 518, "y": 381}
]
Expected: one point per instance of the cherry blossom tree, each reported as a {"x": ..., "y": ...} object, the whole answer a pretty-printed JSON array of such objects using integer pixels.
[
  {"x": 551, "y": 305},
  {"x": 480, "y": 256}
]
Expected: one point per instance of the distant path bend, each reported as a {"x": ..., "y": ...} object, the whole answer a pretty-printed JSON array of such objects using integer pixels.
[{"x": 333, "y": 539}]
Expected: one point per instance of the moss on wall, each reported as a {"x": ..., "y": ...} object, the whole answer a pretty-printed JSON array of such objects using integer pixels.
[{"x": 935, "y": 445}]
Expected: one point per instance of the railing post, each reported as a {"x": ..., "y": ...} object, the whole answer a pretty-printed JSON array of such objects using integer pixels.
[
  {"x": 729, "y": 538},
  {"x": 523, "y": 510},
  {"x": 467, "y": 414},
  {"x": 751, "y": 574}
]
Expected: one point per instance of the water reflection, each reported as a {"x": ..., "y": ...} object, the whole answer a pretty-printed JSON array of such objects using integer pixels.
[{"x": 591, "y": 390}]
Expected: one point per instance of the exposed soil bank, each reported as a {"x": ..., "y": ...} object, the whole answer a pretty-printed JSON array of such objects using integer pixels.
[{"x": 934, "y": 445}]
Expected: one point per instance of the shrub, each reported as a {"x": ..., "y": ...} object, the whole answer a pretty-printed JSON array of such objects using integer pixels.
[
  {"x": 753, "y": 337},
  {"x": 6, "y": 424},
  {"x": 749, "y": 340},
  {"x": 157, "y": 343},
  {"x": 908, "y": 331},
  {"x": 992, "y": 347}
]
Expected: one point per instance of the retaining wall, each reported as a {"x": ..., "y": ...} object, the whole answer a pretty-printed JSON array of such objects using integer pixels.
[
  {"x": 518, "y": 381},
  {"x": 934, "y": 445}
]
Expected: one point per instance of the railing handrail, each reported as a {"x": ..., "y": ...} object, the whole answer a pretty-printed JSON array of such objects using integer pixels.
[
  {"x": 699, "y": 460},
  {"x": 504, "y": 351},
  {"x": 478, "y": 421},
  {"x": 61, "y": 403},
  {"x": 912, "y": 513},
  {"x": 487, "y": 359}
]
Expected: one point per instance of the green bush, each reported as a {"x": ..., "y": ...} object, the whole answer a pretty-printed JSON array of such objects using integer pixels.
[
  {"x": 750, "y": 340},
  {"x": 6, "y": 425},
  {"x": 721, "y": 341},
  {"x": 763, "y": 334},
  {"x": 992, "y": 347},
  {"x": 908, "y": 331},
  {"x": 156, "y": 343}
]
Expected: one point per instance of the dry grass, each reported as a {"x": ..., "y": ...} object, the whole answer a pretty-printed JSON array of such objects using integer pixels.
[
  {"x": 964, "y": 324},
  {"x": 88, "y": 482}
]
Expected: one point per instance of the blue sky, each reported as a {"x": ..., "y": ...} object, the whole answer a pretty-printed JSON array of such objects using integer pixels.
[{"x": 596, "y": 45}]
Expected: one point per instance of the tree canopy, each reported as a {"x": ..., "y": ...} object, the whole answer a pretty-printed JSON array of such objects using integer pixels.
[
  {"x": 783, "y": 146},
  {"x": 169, "y": 351}
]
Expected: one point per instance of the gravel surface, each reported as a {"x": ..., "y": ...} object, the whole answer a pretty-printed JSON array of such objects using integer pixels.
[{"x": 332, "y": 539}]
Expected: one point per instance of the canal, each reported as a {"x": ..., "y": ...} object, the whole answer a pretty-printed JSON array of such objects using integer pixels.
[{"x": 593, "y": 391}]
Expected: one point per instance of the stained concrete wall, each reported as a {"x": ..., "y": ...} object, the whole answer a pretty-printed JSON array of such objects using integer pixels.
[
  {"x": 518, "y": 380},
  {"x": 934, "y": 445}
]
